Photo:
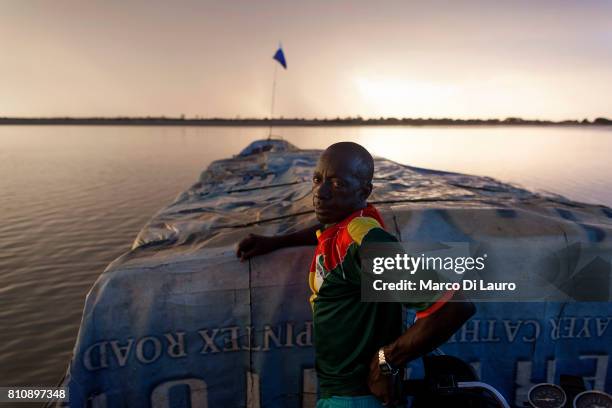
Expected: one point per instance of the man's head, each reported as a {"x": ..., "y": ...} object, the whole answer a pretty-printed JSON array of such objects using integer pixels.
[{"x": 342, "y": 181}]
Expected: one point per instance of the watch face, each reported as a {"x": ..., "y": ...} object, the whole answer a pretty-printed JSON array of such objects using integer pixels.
[
  {"x": 546, "y": 396},
  {"x": 385, "y": 368},
  {"x": 593, "y": 399}
]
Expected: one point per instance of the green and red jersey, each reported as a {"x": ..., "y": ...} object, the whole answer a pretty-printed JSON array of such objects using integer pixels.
[{"x": 348, "y": 332}]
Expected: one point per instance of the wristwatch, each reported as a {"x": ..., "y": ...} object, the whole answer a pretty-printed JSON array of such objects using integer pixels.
[{"x": 383, "y": 364}]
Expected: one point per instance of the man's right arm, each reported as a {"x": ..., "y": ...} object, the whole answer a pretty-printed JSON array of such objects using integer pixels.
[{"x": 255, "y": 245}]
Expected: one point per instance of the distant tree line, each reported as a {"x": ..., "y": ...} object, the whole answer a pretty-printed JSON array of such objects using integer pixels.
[{"x": 353, "y": 121}]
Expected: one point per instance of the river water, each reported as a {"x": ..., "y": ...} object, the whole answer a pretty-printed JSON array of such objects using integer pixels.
[{"x": 72, "y": 198}]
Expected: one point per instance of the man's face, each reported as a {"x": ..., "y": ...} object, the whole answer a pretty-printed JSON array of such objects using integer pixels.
[{"x": 337, "y": 189}]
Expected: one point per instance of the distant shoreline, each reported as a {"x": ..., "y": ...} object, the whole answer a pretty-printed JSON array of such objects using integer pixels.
[{"x": 181, "y": 121}]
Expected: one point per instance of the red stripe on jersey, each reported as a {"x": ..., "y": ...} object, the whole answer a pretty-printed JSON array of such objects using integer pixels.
[{"x": 436, "y": 306}]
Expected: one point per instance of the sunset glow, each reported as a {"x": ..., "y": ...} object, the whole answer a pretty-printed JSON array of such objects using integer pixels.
[
  {"x": 395, "y": 97},
  {"x": 546, "y": 59}
]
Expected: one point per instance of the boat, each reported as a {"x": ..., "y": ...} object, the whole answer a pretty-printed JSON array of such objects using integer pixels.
[{"x": 178, "y": 321}]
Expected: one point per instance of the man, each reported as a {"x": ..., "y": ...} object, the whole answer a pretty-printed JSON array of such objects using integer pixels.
[{"x": 358, "y": 345}]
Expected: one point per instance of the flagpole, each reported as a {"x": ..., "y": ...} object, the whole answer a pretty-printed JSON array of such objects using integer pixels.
[{"x": 272, "y": 104}]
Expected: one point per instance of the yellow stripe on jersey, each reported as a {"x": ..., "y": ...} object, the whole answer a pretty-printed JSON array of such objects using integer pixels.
[{"x": 360, "y": 226}]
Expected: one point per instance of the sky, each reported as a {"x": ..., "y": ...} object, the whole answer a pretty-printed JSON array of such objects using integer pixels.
[{"x": 458, "y": 59}]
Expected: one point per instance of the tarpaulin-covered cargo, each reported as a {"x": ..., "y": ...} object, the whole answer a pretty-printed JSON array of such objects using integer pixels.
[{"x": 178, "y": 320}]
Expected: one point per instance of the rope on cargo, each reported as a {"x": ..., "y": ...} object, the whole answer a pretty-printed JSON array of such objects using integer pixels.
[
  {"x": 240, "y": 190},
  {"x": 281, "y": 217}
]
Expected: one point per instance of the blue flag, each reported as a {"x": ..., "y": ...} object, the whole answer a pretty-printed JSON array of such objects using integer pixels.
[{"x": 280, "y": 57}]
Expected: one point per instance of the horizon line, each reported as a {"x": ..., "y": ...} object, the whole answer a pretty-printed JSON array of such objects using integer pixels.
[
  {"x": 266, "y": 118},
  {"x": 355, "y": 120}
]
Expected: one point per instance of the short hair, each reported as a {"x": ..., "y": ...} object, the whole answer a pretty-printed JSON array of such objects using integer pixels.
[{"x": 365, "y": 166}]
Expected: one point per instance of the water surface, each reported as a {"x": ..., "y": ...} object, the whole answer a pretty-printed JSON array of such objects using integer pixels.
[{"x": 72, "y": 198}]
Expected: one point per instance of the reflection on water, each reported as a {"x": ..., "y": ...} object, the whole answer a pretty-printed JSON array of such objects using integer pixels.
[{"x": 73, "y": 198}]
